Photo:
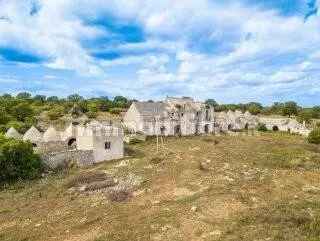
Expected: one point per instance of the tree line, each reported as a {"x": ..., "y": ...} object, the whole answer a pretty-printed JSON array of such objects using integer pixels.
[
  {"x": 288, "y": 109},
  {"x": 21, "y": 111}
]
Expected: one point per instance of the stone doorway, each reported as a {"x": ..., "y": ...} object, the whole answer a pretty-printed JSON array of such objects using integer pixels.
[{"x": 177, "y": 130}]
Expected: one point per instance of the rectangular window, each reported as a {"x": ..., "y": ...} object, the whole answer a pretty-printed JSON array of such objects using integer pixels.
[{"x": 107, "y": 145}]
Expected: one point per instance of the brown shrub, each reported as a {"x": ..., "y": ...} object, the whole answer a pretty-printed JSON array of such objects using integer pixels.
[
  {"x": 156, "y": 160},
  {"x": 119, "y": 195},
  {"x": 94, "y": 186},
  {"x": 209, "y": 140},
  {"x": 87, "y": 177},
  {"x": 203, "y": 166}
]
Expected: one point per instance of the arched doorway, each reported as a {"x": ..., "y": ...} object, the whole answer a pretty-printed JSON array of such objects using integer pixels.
[
  {"x": 275, "y": 128},
  {"x": 197, "y": 129},
  {"x": 246, "y": 127},
  {"x": 229, "y": 127},
  {"x": 206, "y": 129},
  {"x": 177, "y": 130},
  {"x": 162, "y": 130},
  {"x": 72, "y": 143}
]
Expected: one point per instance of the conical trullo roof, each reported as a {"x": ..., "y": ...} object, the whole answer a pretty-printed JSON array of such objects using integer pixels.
[
  {"x": 13, "y": 133},
  {"x": 51, "y": 135},
  {"x": 32, "y": 135},
  {"x": 70, "y": 132}
]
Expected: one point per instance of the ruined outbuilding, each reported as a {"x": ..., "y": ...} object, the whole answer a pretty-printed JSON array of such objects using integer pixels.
[{"x": 82, "y": 144}]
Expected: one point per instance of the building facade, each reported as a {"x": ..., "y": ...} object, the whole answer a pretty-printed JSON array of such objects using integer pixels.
[
  {"x": 174, "y": 116},
  {"x": 84, "y": 144}
]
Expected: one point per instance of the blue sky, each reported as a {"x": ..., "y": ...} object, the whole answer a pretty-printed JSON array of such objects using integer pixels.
[{"x": 232, "y": 50}]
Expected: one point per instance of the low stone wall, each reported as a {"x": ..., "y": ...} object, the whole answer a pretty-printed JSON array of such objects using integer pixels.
[
  {"x": 52, "y": 147},
  {"x": 61, "y": 159}
]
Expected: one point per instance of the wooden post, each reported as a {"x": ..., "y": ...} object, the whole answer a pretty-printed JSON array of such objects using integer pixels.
[{"x": 157, "y": 143}]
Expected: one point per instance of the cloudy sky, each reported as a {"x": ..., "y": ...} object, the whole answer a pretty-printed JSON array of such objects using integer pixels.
[{"x": 230, "y": 50}]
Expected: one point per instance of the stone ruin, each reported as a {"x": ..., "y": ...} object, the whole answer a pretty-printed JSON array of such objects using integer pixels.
[{"x": 83, "y": 145}]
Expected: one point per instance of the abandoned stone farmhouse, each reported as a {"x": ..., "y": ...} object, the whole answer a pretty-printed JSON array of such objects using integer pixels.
[
  {"x": 93, "y": 142},
  {"x": 183, "y": 116},
  {"x": 174, "y": 116},
  {"x": 84, "y": 144}
]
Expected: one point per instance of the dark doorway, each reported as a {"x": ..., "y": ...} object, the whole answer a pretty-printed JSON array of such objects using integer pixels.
[
  {"x": 72, "y": 142},
  {"x": 163, "y": 130},
  {"x": 107, "y": 145},
  {"x": 229, "y": 127},
  {"x": 177, "y": 130},
  {"x": 197, "y": 129},
  {"x": 246, "y": 127},
  {"x": 275, "y": 128},
  {"x": 206, "y": 129}
]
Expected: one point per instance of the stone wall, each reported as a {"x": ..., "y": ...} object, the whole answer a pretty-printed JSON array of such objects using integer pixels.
[
  {"x": 61, "y": 159},
  {"x": 53, "y": 146}
]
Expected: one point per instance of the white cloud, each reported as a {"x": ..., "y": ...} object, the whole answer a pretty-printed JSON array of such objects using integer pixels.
[{"x": 249, "y": 49}]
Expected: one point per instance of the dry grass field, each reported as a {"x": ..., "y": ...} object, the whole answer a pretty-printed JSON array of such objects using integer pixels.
[{"x": 264, "y": 187}]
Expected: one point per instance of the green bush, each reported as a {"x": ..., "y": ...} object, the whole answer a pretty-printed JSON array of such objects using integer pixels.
[
  {"x": 3, "y": 129},
  {"x": 91, "y": 114},
  {"x": 55, "y": 113},
  {"x": 262, "y": 127},
  {"x": 314, "y": 136},
  {"x": 18, "y": 160},
  {"x": 116, "y": 111},
  {"x": 18, "y": 125}
]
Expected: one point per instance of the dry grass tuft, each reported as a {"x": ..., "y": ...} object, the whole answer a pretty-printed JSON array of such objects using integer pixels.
[
  {"x": 119, "y": 195},
  {"x": 156, "y": 160},
  {"x": 88, "y": 177},
  {"x": 94, "y": 186}
]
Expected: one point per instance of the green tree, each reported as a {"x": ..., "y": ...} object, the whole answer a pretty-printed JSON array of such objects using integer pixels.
[
  {"x": 4, "y": 117},
  {"x": 53, "y": 99},
  {"x": 211, "y": 102},
  {"x": 18, "y": 160},
  {"x": 220, "y": 108},
  {"x": 7, "y": 96},
  {"x": 93, "y": 106},
  {"x": 316, "y": 112},
  {"x": 24, "y": 95},
  {"x": 21, "y": 111},
  {"x": 56, "y": 112},
  {"x": 254, "y": 108},
  {"x": 120, "y": 102},
  {"x": 75, "y": 98},
  {"x": 277, "y": 108},
  {"x": 305, "y": 115},
  {"x": 290, "y": 108},
  {"x": 40, "y": 98}
]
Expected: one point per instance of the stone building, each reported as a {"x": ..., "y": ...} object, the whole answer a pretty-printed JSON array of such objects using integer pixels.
[
  {"x": 285, "y": 124},
  {"x": 184, "y": 116},
  {"x": 174, "y": 116},
  {"x": 84, "y": 144},
  {"x": 235, "y": 120}
]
